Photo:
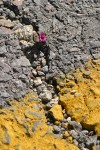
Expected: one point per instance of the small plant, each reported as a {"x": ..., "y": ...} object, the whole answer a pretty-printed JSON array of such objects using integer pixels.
[{"x": 42, "y": 37}]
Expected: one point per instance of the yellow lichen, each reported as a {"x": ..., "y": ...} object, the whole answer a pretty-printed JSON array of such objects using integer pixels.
[
  {"x": 56, "y": 112},
  {"x": 81, "y": 95},
  {"x": 23, "y": 127}
]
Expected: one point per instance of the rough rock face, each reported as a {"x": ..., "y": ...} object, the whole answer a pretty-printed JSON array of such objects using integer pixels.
[
  {"x": 15, "y": 68},
  {"x": 23, "y": 126},
  {"x": 73, "y": 29},
  {"x": 80, "y": 95}
]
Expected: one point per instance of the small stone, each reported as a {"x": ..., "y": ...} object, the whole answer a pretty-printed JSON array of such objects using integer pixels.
[
  {"x": 6, "y": 23},
  {"x": 25, "y": 32},
  {"x": 85, "y": 132},
  {"x": 38, "y": 68},
  {"x": 74, "y": 49},
  {"x": 3, "y": 50},
  {"x": 24, "y": 44},
  {"x": 96, "y": 62},
  {"x": 45, "y": 69},
  {"x": 70, "y": 77},
  {"x": 75, "y": 142},
  {"x": 40, "y": 73},
  {"x": 66, "y": 134},
  {"x": 48, "y": 106},
  {"x": 41, "y": 88},
  {"x": 76, "y": 125},
  {"x": 91, "y": 140},
  {"x": 68, "y": 119},
  {"x": 64, "y": 125},
  {"x": 57, "y": 123},
  {"x": 81, "y": 145},
  {"x": 65, "y": 116},
  {"x": 56, "y": 129},
  {"x": 41, "y": 54},
  {"x": 74, "y": 134},
  {"x": 56, "y": 112},
  {"x": 34, "y": 72},
  {"x": 54, "y": 100},
  {"x": 43, "y": 61},
  {"x": 37, "y": 82},
  {"x": 46, "y": 96},
  {"x": 35, "y": 36},
  {"x": 4, "y": 94},
  {"x": 73, "y": 91},
  {"x": 18, "y": 2},
  {"x": 78, "y": 94},
  {"x": 86, "y": 74}
]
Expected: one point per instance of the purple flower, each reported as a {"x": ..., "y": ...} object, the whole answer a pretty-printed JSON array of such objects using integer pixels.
[{"x": 42, "y": 37}]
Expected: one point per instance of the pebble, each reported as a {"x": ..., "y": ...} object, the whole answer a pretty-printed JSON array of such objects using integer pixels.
[
  {"x": 86, "y": 74},
  {"x": 54, "y": 100},
  {"x": 75, "y": 142},
  {"x": 95, "y": 62},
  {"x": 56, "y": 129},
  {"x": 48, "y": 106},
  {"x": 85, "y": 132},
  {"x": 91, "y": 140},
  {"x": 65, "y": 134},
  {"x": 41, "y": 88},
  {"x": 46, "y": 96},
  {"x": 35, "y": 36},
  {"x": 45, "y": 69},
  {"x": 76, "y": 125},
  {"x": 34, "y": 72},
  {"x": 68, "y": 119},
  {"x": 64, "y": 125},
  {"x": 40, "y": 73},
  {"x": 73, "y": 91},
  {"x": 38, "y": 67},
  {"x": 43, "y": 61},
  {"x": 74, "y": 134},
  {"x": 37, "y": 82}
]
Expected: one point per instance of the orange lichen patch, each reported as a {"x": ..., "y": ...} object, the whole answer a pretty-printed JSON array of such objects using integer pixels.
[
  {"x": 81, "y": 95},
  {"x": 23, "y": 127}
]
